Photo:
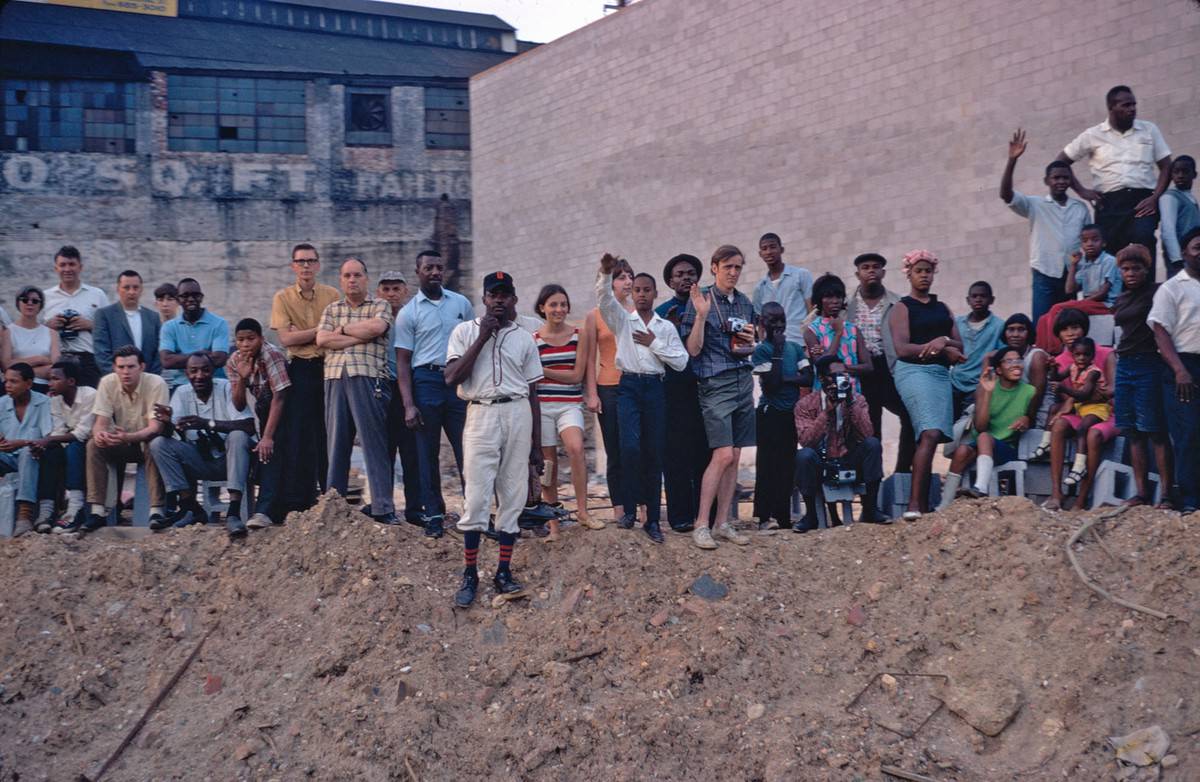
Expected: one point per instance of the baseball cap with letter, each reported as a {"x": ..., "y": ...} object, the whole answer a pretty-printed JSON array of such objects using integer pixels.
[{"x": 497, "y": 280}]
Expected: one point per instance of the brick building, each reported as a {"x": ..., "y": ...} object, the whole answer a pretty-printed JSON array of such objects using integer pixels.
[
  {"x": 205, "y": 137},
  {"x": 678, "y": 125}
]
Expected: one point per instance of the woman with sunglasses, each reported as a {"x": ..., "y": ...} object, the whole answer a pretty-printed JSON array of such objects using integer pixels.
[{"x": 29, "y": 341}]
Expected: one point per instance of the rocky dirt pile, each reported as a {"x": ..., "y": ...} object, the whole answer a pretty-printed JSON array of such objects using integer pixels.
[{"x": 959, "y": 647}]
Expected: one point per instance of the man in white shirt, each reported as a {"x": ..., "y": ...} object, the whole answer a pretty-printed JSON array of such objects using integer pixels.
[
  {"x": 1122, "y": 153},
  {"x": 70, "y": 310},
  {"x": 126, "y": 322},
  {"x": 1175, "y": 318},
  {"x": 791, "y": 286},
  {"x": 646, "y": 345},
  {"x": 214, "y": 445},
  {"x": 494, "y": 364},
  {"x": 63, "y": 453}
]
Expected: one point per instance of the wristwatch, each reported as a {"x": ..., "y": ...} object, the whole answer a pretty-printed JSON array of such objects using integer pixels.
[{"x": 211, "y": 424}]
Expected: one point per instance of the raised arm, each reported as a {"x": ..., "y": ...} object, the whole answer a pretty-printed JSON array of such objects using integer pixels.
[
  {"x": 701, "y": 303},
  {"x": 1016, "y": 148}
]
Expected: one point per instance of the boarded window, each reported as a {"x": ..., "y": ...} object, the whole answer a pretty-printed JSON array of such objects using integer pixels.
[
  {"x": 447, "y": 118},
  {"x": 226, "y": 114}
]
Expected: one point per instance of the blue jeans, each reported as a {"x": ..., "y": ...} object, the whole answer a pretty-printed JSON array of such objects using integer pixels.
[
  {"x": 59, "y": 461},
  {"x": 1183, "y": 422},
  {"x": 1138, "y": 399},
  {"x": 1047, "y": 291},
  {"x": 22, "y": 463},
  {"x": 641, "y": 406},
  {"x": 441, "y": 409}
]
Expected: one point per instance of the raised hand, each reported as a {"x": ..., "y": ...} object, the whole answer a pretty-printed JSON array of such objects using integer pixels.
[
  {"x": 1075, "y": 258},
  {"x": 987, "y": 381},
  {"x": 608, "y": 262},
  {"x": 702, "y": 302},
  {"x": 488, "y": 325},
  {"x": 1016, "y": 145}
]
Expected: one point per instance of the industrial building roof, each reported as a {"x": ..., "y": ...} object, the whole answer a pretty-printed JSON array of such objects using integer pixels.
[{"x": 417, "y": 12}]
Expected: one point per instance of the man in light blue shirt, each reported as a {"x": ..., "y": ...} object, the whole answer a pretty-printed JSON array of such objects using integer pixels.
[
  {"x": 430, "y": 406},
  {"x": 1180, "y": 212},
  {"x": 195, "y": 330},
  {"x": 791, "y": 286},
  {"x": 24, "y": 419}
]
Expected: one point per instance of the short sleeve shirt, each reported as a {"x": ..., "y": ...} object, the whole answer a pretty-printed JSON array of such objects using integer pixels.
[
  {"x": 133, "y": 411},
  {"x": 268, "y": 374},
  {"x": 793, "y": 291},
  {"x": 792, "y": 354},
  {"x": 1118, "y": 160},
  {"x": 85, "y": 300},
  {"x": 717, "y": 356},
  {"x": 505, "y": 366},
  {"x": 209, "y": 332},
  {"x": 1007, "y": 405},
  {"x": 218, "y": 407},
  {"x": 1177, "y": 309},
  {"x": 1053, "y": 230},
  {"x": 366, "y": 359},
  {"x": 423, "y": 326},
  {"x": 1092, "y": 274},
  {"x": 293, "y": 307}
]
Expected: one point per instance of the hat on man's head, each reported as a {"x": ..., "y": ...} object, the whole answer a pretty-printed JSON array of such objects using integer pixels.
[
  {"x": 865, "y": 257},
  {"x": 393, "y": 276},
  {"x": 498, "y": 280}
]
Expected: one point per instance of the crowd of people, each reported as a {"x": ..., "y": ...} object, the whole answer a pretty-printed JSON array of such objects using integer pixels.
[{"x": 802, "y": 370}]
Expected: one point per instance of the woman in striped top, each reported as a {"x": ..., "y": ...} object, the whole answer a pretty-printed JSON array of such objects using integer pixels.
[{"x": 566, "y": 355}]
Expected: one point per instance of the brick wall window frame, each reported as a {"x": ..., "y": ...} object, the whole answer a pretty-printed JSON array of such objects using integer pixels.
[
  {"x": 447, "y": 118},
  {"x": 368, "y": 117},
  {"x": 234, "y": 114},
  {"x": 68, "y": 115}
]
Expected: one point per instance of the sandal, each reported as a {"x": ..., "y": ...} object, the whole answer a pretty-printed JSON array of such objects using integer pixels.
[
  {"x": 1074, "y": 477},
  {"x": 1039, "y": 453},
  {"x": 1051, "y": 504},
  {"x": 911, "y": 515}
]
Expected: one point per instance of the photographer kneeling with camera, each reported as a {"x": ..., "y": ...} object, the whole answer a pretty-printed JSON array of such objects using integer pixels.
[{"x": 838, "y": 443}]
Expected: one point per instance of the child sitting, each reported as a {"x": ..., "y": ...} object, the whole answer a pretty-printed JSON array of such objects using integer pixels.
[
  {"x": 1086, "y": 412},
  {"x": 1092, "y": 271},
  {"x": 1002, "y": 402}
]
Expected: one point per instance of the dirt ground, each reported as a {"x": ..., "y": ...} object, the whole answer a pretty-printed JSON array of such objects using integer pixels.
[{"x": 334, "y": 653}]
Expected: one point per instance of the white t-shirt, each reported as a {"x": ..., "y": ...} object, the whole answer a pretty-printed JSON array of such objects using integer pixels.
[
  {"x": 85, "y": 300},
  {"x": 135, "y": 325}
]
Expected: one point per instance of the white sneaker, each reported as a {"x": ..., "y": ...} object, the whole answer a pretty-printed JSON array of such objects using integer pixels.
[
  {"x": 702, "y": 538},
  {"x": 727, "y": 531},
  {"x": 259, "y": 521}
]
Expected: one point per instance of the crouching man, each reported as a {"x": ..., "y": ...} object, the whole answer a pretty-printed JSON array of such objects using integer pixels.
[
  {"x": 834, "y": 430},
  {"x": 215, "y": 445}
]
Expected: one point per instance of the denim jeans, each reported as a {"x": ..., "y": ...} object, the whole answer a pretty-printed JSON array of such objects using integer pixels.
[
  {"x": 1183, "y": 422},
  {"x": 61, "y": 461},
  {"x": 23, "y": 463},
  {"x": 1047, "y": 291},
  {"x": 441, "y": 409},
  {"x": 641, "y": 405}
]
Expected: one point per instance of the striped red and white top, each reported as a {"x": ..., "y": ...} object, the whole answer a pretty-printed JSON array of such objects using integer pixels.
[{"x": 561, "y": 358}]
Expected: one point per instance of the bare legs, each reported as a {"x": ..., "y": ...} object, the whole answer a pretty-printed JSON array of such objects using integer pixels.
[{"x": 718, "y": 483}]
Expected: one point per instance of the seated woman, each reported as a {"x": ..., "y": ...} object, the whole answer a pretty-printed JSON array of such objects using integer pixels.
[
  {"x": 1002, "y": 402},
  {"x": 831, "y": 334},
  {"x": 1086, "y": 413}
]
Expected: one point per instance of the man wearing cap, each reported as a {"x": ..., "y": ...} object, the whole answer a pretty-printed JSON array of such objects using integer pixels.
[
  {"x": 353, "y": 332},
  {"x": 494, "y": 364},
  {"x": 393, "y": 289},
  {"x": 868, "y": 311},
  {"x": 423, "y": 330}
]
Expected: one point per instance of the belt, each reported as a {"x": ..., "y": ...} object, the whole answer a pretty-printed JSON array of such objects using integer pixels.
[
  {"x": 432, "y": 367},
  {"x": 654, "y": 375},
  {"x": 497, "y": 401}
]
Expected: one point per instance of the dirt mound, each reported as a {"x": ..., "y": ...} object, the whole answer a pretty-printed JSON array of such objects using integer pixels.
[{"x": 336, "y": 655}]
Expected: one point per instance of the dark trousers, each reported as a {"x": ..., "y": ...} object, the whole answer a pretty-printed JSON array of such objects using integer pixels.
[
  {"x": 641, "y": 404},
  {"x": 684, "y": 471},
  {"x": 89, "y": 370},
  {"x": 1047, "y": 291},
  {"x": 610, "y": 433},
  {"x": 441, "y": 410},
  {"x": 879, "y": 389},
  {"x": 402, "y": 441},
  {"x": 1121, "y": 228},
  {"x": 358, "y": 406},
  {"x": 61, "y": 464},
  {"x": 1183, "y": 422},
  {"x": 307, "y": 452},
  {"x": 866, "y": 458},
  {"x": 775, "y": 431},
  {"x": 269, "y": 475}
]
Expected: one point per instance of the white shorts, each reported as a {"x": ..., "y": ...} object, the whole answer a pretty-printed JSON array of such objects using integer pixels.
[{"x": 557, "y": 416}]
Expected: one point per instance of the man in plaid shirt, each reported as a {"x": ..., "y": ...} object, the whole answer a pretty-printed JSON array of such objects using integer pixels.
[
  {"x": 358, "y": 390},
  {"x": 259, "y": 367}
]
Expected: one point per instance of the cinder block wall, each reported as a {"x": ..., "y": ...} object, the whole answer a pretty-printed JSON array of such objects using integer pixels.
[{"x": 678, "y": 125}]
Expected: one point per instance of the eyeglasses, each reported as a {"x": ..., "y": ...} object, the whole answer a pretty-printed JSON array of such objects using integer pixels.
[
  {"x": 306, "y": 262},
  {"x": 191, "y": 296},
  {"x": 28, "y": 300},
  {"x": 1012, "y": 361}
]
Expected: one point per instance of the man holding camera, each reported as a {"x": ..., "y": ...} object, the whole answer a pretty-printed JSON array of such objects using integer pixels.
[
  {"x": 838, "y": 443},
  {"x": 71, "y": 310}
]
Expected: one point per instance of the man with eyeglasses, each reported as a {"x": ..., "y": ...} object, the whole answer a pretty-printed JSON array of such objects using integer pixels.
[
  {"x": 196, "y": 330},
  {"x": 295, "y": 314},
  {"x": 70, "y": 309}
]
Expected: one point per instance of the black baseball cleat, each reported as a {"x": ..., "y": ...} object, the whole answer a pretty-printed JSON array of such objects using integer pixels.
[
  {"x": 433, "y": 527},
  {"x": 94, "y": 522},
  {"x": 465, "y": 595},
  {"x": 653, "y": 531},
  {"x": 505, "y": 584},
  {"x": 627, "y": 521}
]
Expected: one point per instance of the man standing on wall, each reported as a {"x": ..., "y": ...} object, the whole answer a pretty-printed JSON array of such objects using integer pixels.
[
  {"x": 430, "y": 405},
  {"x": 354, "y": 331},
  {"x": 295, "y": 314},
  {"x": 70, "y": 310},
  {"x": 1122, "y": 153},
  {"x": 791, "y": 286},
  {"x": 127, "y": 323}
]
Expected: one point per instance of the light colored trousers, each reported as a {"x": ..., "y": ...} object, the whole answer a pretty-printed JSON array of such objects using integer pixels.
[
  {"x": 496, "y": 443},
  {"x": 26, "y": 467},
  {"x": 181, "y": 465}
]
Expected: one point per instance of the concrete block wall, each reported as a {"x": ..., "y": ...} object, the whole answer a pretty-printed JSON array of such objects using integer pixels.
[
  {"x": 679, "y": 125},
  {"x": 230, "y": 219}
]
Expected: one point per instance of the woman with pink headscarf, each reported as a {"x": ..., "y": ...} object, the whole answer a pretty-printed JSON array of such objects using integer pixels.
[{"x": 927, "y": 343}]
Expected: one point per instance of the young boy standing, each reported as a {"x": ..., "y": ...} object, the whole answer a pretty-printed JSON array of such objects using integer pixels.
[
  {"x": 494, "y": 364},
  {"x": 1180, "y": 212},
  {"x": 1091, "y": 271},
  {"x": 260, "y": 368},
  {"x": 777, "y": 363},
  {"x": 646, "y": 346},
  {"x": 982, "y": 332},
  {"x": 1001, "y": 414}
]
